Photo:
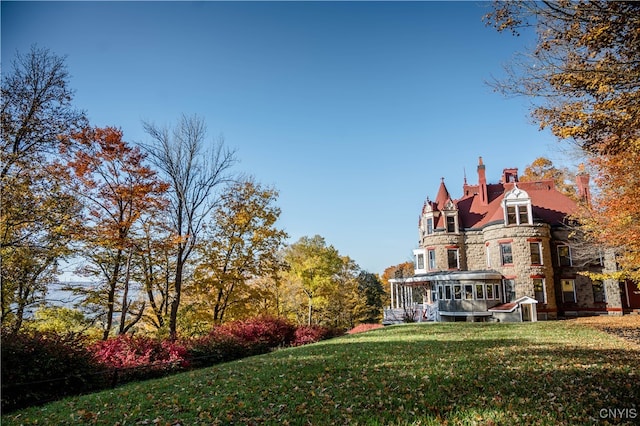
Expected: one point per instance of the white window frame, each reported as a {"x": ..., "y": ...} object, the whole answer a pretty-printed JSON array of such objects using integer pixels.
[
  {"x": 429, "y": 229},
  {"x": 416, "y": 255},
  {"x": 518, "y": 200},
  {"x": 539, "y": 244},
  {"x": 504, "y": 290},
  {"x": 481, "y": 287},
  {"x": 431, "y": 260},
  {"x": 502, "y": 258},
  {"x": 544, "y": 290}
]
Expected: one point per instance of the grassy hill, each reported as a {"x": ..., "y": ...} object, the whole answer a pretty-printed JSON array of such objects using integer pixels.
[{"x": 421, "y": 374}]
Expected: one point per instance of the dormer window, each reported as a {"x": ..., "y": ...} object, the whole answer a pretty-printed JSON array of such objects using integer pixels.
[
  {"x": 450, "y": 213},
  {"x": 451, "y": 224},
  {"x": 517, "y": 207}
]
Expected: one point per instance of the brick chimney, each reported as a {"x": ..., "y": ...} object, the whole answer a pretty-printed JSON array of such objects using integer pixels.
[
  {"x": 482, "y": 183},
  {"x": 582, "y": 179}
]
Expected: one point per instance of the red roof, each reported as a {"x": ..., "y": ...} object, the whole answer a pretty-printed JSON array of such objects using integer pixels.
[{"x": 548, "y": 204}]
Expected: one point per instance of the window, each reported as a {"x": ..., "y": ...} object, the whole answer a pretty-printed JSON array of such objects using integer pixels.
[
  {"x": 523, "y": 215},
  {"x": 447, "y": 292},
  {"x": 509, "y": 290},
  {"x": 440, "y": 292},
  {"x": 598, "y": 292},
  {"x": 452, "y": 259},
  {"x": 489, "y": 291},
  {"x": 536, "y": 253},
  {"x": 538, "y": 290},
  {"x": 517, "y": 207},
  {"x": 432, "y": 259},
  {"x": 517, "y": 215},
  {"x": 457, "y": 292},
  {"x": 496, "y": 291},
  {"x": 505, "y": 254},
  {"x": 480, "y": 291},
  {"x": 430, "y": 226},
  {"x": 568, "y": 291},
  {"x": 420, "y": 261},
  {"x": 468, "y": 292},
  {"x": 451, "y": 224},
  {"x": 512, "y": 215},
  {"x": 564, "y": 255}
]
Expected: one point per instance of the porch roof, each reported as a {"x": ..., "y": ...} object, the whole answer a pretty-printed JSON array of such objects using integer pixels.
[
  {"x": 510, "y": 307},
  {"x": 448, "y": 276}
]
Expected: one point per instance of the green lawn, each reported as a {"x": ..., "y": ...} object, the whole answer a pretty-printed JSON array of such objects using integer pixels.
[{"x": 420, "y": 374}]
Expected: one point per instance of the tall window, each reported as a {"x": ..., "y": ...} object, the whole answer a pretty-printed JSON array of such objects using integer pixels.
[
  {"x": 468, "y": 291},
  {"x": 452, "y": 259},
  {"x": 598, "y": 291},
  {"x": 506, "y": 254},
  {"x": 568, "y": 291},
  {"x": 451, "y": 224},
  {"x": 488, "y": 255},
  {"x": 432, "y": 259},
  {"x": 509, "y": 290},
  {"x": 536, "y": 253},
  {"x": 457, "y": 291},
  {"x": 480, "y": 291},
  {"x": 490, "y": 291},
  {"x": 538, "y": 290},
  {"x": 430, "y": 226},
  {"x": 420, "y": 261},
  {"x": 564, "y": 255}
]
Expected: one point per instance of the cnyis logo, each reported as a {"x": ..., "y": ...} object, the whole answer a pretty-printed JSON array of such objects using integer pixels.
[{"x": 618, "y": 413}]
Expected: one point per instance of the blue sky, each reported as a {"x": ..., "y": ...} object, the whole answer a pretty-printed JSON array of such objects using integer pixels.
[{"x": 352, "y": 110}]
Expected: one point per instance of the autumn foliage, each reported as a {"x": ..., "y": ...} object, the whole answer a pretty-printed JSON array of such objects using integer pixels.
[{"x": 584, "y": 78}]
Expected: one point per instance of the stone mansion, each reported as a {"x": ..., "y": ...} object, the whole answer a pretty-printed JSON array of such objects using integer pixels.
[{"x": 504, "y": 252}]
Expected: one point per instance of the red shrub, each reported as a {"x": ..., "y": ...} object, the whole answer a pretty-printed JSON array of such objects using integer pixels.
[
  {"x": 238, "y": 339},
  {"x": 142, "y": 356},
  {"x": 310, "y": 334},
  {"x": 40, "y": 367}
]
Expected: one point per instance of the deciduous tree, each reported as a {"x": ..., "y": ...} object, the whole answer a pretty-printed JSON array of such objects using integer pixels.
[
  {"x": 117, "y": 190},
  {"x": 195, "y": 173},
  {"x": 313, "y": 269},
  {"x": 584, "y": 69},
  {"x": 543, "y": 169},
  {"x": 36, "y": 214},
  {"x": 401, "y": 270},
  {"x": 243, "y": 245}
]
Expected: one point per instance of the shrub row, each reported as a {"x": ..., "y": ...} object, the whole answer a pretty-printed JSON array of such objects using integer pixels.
[{"x": 41, "y": 367}]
